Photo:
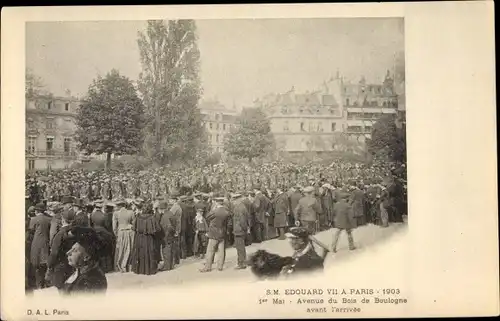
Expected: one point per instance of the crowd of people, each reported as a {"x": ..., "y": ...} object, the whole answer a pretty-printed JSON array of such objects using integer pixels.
[{"x": 81, "y": 225}]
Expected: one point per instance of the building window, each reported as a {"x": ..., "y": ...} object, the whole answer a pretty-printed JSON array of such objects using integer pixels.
[
  {"x": 31, "y": 144},
  {"x": 49, "y": 105},
  {"x": 50, "y": 123},
  {"x": 217, "y": 126},
  {"x": 50, "y": 145},
  {"x": 217, "y": 138},
  {"x": 209, "y": 137},
  {"x": 67, "y": 145},
  {"x": 210, "y": 124},
  {"x": 334, "y": 126},
  {"x": 311, "y": 127},
  {"x": 302, "y": 127},
  {"x": 31, "y": 123},
  {"x": 31, "y": 164},
  {"x": 66, "y": 106},
  {"x": 320, "y": 126},
  {"x": 224, "y": 127},
  {"x": 285, "y": 126}
]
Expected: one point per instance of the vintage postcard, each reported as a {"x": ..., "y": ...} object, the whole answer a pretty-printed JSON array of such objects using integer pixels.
[{"x": 249, "y": 161}]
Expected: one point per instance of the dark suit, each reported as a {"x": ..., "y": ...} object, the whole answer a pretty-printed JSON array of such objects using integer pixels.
[
  {"x": 58, "y": 261},
  {"x": 344, "y": 220},
  {"x": 241, "y": 219},
  {"x": 39, "y": 252},
  {"x": 217, "y": 228},
  {"x": 168, "y": 239}
]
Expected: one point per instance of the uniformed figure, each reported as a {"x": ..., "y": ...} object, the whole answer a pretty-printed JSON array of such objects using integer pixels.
[
  {"x": 305, "y": 258},
  {"x": 308, "y": 210}
]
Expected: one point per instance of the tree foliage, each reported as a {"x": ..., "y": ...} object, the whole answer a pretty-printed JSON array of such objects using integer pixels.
[
  {"x": 110, "y": 119},
  {"x": 170, "y": 87},
  {"x": 252, "y": 136},
  {"x": 34, "y": 86},
  {"x": 387, "y": 140}
]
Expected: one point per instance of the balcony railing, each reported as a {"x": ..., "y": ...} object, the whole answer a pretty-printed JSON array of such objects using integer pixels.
[{"x": 52, "y": 153}]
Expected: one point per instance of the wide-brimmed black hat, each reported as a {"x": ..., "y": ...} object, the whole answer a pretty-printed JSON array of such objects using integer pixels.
[{"x": 88, "y": 239}]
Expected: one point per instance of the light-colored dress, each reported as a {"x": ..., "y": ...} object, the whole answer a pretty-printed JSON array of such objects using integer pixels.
[{"x": 122, "y": 227}]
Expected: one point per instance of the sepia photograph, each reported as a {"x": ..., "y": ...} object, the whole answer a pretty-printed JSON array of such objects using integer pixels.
[
  {"x": 160, "y": 151},
  {"x": 249, "y": 161}
]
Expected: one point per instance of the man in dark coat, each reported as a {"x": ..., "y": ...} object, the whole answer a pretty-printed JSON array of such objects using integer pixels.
[
  {"x": 295, "y": 197},
  {"x": 344, "y": 221},
  {"x": 107, "y": 239},
  {"x": 168, "y": 239},
  {"x": 281, "y": 209},
  {"x": 176, "y": 211},
  {"x": 217, "y": 221},
  {"x": 261, "y": 204},
  {"x": 81, "y": 217},
  {"x": 40, "y": 244},
  {"x": 240, "y": 217},
  {"x": 185, "y": 220},
  {"x": 357, "y": 201},
  {"x": 251, "y": 217},
  {"x": 55, "y": 224},
  {"x": 58, "y": 265}
]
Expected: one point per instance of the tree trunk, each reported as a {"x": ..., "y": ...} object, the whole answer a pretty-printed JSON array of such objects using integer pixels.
[{"x": 108, "y": 161}]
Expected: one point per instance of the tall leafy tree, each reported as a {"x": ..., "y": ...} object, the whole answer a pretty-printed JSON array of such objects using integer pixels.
[
  {"x": 170, "y": 88},
  {"x": 252, "y": 137},
  {"x": 110, "y": 119},
  {"x": 387, "y": 139}
]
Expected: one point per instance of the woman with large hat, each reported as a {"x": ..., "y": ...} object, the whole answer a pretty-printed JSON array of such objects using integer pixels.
[{"x": 84, "y": 258}]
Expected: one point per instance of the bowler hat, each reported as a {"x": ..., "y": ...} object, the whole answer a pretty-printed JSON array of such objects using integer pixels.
[{"x": 40, "y": 207}]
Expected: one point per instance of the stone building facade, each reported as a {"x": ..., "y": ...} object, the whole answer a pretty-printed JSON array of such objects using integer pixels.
[
  {"x": 336, "y": 115},
  {"x": 50, "y": 130},
  {"x": 218, "y": 121}
]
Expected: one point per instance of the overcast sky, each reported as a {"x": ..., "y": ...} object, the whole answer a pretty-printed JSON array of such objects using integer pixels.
[{"x": 240, "y": 59}]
